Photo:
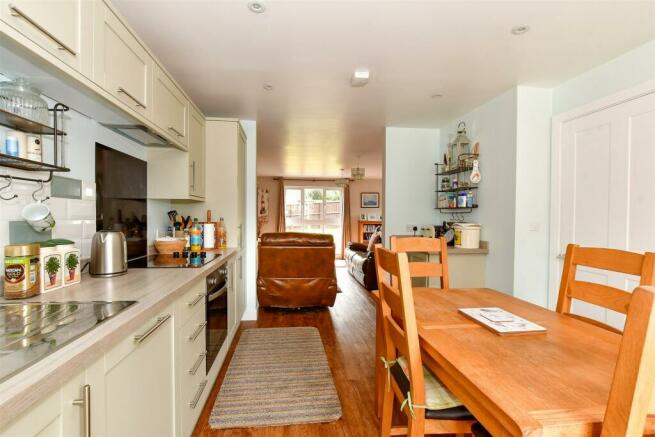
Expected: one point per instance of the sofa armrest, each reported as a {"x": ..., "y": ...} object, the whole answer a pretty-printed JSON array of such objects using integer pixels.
[{"x": 357, "y": 247}]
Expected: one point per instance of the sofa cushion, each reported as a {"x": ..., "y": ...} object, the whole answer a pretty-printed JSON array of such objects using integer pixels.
[{"x": 296, "y": 239}]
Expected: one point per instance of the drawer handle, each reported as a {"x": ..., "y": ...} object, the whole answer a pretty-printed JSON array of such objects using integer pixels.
[
  {"x": 60, "y": 45},
  {"x": 134, "y": 99},
  {"x": 175, "y": 131},
  {"x": 85, "y": 403},
  {"x": 195, "y": 301},
  {"x": 196, "y": 365},
  {"x": 196, "y": 398},
  {"x": 160, "y": 321},
  {"x": 197, "y": 332}
]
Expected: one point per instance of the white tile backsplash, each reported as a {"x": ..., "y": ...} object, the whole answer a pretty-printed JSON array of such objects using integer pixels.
[
  {"x": 67, "y": 229},
  {"x": 88, "y": 190},
  {"x": 88, "y": 228},
  {"x": 81, "y": 209},
  {"x": 58, "y": 207}
]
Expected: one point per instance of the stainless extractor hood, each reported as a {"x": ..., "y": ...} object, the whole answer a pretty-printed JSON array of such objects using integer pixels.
[{"x": 141, "y": 134}]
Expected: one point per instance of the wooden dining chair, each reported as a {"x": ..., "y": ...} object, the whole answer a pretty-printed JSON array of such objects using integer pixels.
[
  {"x": 429, "y": 406},
  {"x": 598, "y": 294},
  {"x": 430, "y": 246},
  {"x": 631, "y": 397}
]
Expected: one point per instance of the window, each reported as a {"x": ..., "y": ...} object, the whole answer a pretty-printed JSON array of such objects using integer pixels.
[{"x": 315, "y": 210}]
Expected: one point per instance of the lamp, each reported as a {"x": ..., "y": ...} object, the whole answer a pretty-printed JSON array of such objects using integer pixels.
[
  {"x": 341, "y": 182},
  {"x": 460, "y": 146},
  {"x": 357, "y": 173}
]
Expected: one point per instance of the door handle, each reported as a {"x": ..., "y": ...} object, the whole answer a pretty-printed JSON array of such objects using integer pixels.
[
  {"x": 193, "y": 177},
  {"x": 196, "y": 365},
  {"x": 160, "y": 321},
  {"x": 134, "y": 99},
  {"x": 85, "y": 403},
  {"x": 561, "y": 256},
  {"x": 16, "y": 12}
]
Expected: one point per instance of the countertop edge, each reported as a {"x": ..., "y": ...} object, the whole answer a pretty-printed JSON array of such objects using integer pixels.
[{"x": 44, "y": 377}]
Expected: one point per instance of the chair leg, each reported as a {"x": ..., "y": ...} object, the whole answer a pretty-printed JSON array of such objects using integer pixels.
[
  {"x": 416, "y": 426},
  {"x": 387, "y": 413}
]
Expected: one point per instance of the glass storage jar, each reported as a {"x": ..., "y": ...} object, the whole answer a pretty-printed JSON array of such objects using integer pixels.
[{"x": 19, "y": 98}]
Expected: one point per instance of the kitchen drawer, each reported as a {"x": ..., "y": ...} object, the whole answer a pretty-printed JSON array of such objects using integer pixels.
[
  {"x": 63, "y": 28},
  {"x": 191, "y": 340},
  {"x": 193, "y": 393},
  {"x": 193, "y": 300},
  {"x": 171, "y": 109},
  {"x": 122, "y": 66}
]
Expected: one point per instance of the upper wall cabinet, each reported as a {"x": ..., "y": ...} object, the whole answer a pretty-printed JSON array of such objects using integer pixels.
[
  {"x": 171, "y": 107},
  {"x": 63, "y": 28},
  {"x": 122, "y": 66}
]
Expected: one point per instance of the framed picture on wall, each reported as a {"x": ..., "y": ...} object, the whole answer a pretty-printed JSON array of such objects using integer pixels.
[{"x": 370, "y": 200}]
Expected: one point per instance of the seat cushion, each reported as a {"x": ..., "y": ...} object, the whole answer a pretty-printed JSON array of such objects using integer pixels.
[
  {"x": 440, "y": 402},
  {"x": 296, "y": 239}
]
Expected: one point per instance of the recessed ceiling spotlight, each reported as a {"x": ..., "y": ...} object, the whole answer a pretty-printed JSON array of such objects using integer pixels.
[
  {"x": 520, "y": 30},
  {"x": 360, "y": 77},
  {"x": 256, "y": 6},
  {"x": 436, "y": 96},
  {"x": 268, "y": 87}
]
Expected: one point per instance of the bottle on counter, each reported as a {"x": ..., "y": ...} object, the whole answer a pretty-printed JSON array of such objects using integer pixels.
[
  {"x": 195, "y": 235},
  {"x": 221, "y": 235}
]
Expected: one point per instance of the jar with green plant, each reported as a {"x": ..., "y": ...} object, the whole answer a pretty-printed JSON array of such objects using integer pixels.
[
  {"x": 72, "y": 261},
  {"x": 52, "y": 267}
]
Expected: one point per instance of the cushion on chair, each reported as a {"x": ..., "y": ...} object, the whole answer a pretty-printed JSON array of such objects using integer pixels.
[{"x": 441, "y": 403}]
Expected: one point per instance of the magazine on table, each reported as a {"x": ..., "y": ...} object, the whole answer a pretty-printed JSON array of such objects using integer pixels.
[{"x": 500, "y": 321}]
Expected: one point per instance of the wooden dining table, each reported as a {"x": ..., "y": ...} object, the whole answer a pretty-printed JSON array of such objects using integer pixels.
[{"x": 537, "y": 384}]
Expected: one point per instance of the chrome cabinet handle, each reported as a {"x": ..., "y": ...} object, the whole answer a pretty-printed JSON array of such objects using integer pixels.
[
  {"x": 85, "y": 402},
  {"x": 160, "y": 321},
  {"x": 196, "y": 398},
  {"x": 195, "y": 301},
  {"x": 134, "y": 99},
  {"x": 16, "y": 12},
  {"x": 194, "y": 369},
  {"x": 197, "y": 332},
  {"x": 193, "y": 177},
  {"x": 175, "y": 131}
]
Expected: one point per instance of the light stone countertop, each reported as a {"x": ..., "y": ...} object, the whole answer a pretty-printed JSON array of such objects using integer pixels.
[{"x": 153, "y": 289}]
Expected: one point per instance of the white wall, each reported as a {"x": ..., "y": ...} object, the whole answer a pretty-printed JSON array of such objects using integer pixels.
[
  {"x": 531, "y": 238},
  {"x": 626, "y": 71},
  {"x": 250, "y": 237},
  {"x": 493, "y": 125},
  {"x": 409, "y": 182}
]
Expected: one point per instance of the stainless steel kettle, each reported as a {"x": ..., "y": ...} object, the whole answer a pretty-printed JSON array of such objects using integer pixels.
[{"x": 108, "y": 254}]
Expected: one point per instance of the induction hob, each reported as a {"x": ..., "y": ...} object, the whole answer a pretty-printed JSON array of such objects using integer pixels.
[{"x": 174, "y": 260}]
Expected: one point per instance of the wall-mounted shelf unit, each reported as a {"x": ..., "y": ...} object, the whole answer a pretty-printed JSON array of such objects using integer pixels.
[
  {"x": 23, "y": 124},
  {"x": 454, "y": 182}
]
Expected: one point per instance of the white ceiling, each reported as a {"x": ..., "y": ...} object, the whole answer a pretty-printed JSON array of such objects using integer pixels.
[{"x": 313, "y": 123}]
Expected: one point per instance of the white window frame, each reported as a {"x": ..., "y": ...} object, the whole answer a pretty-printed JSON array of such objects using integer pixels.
[{"x": 308, "y": 222}]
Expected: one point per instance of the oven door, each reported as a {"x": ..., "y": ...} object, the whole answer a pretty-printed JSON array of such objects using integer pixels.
[{"x": 216, "y": 330}]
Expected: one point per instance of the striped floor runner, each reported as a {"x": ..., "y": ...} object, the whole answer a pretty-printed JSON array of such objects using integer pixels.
[{"x": 277, "y": 376}]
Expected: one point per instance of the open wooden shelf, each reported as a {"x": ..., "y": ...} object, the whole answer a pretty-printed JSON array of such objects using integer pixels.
[
  {"x": 23, "y": 124},
  {"x": 29, "y": 165}
]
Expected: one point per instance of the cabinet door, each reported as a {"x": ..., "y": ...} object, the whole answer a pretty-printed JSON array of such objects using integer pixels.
[
  {"x": 241, "y": 184},
  {"x": 196, "y": 154},
  {"x": 134, "y": 395},
  {"x": 122, "y": 66},
  {"x": 63, "y": 28},
  {"x": 171, "y": 108}
]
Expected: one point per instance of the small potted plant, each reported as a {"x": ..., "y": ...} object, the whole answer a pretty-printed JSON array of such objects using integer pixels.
[
  {"x": 71, "y": 264},
  {"x": 52, "y": 267}
]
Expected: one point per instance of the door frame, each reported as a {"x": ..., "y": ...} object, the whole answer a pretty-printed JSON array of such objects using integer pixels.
[{"x": 554, "y": 258}]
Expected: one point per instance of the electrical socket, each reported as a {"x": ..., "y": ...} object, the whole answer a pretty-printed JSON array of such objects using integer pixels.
[{"x": 412, "y": 228}]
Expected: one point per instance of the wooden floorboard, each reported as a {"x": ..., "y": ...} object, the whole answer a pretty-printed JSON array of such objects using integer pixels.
[{"x": 348, "y": 334}]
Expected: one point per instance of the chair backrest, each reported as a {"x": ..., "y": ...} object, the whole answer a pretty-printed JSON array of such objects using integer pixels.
[
  {"x": 631, "y": 397},
  {"x": 598, "y": 294},
  {"x": 398, "y": 316},
  {"x": 431, "y": 246}
]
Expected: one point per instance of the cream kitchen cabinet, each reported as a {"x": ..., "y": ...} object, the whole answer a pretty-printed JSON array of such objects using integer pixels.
[
  {"x": 122, "y": 66},
  {"x": 132, "y": 387},
  {"x": 64, "y": 28},
  {"x": 171, "y": 107},
  {"x": 178, "y": 175}
]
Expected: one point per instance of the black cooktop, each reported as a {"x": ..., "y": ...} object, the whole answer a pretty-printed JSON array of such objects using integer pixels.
[{"x": 174, "y": 260}]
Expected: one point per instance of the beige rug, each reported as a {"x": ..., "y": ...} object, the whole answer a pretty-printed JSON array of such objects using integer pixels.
[{"x": 277, "y": 376}]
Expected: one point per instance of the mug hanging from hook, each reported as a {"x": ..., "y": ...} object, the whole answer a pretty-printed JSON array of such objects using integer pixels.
[
  {"x": 37, "y": 191},
  {"x": 11, "y": 181}
]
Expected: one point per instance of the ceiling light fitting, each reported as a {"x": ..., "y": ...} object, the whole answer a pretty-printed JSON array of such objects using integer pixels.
[
  {"x": 257, "y": 6},
  {"x": 268, "y": 87},
  {"x": 436, "y": 96},
  {"x": 360, "y": 77},
  {"x": 357, "y": 173},
  {"x": 520, "y": 30},
  {"x": 341, "y": 182}
]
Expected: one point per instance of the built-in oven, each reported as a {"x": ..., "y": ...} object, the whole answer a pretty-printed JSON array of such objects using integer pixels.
[{"x": 216, "y": 316}]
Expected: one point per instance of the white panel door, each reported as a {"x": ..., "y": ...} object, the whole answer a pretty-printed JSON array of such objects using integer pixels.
[{"x": 607, "y": 196}]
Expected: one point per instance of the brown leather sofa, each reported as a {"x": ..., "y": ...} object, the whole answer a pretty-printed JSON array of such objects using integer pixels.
[
  {"x": 361, "y": 264},
  {"x": 296, "y": 270}
]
